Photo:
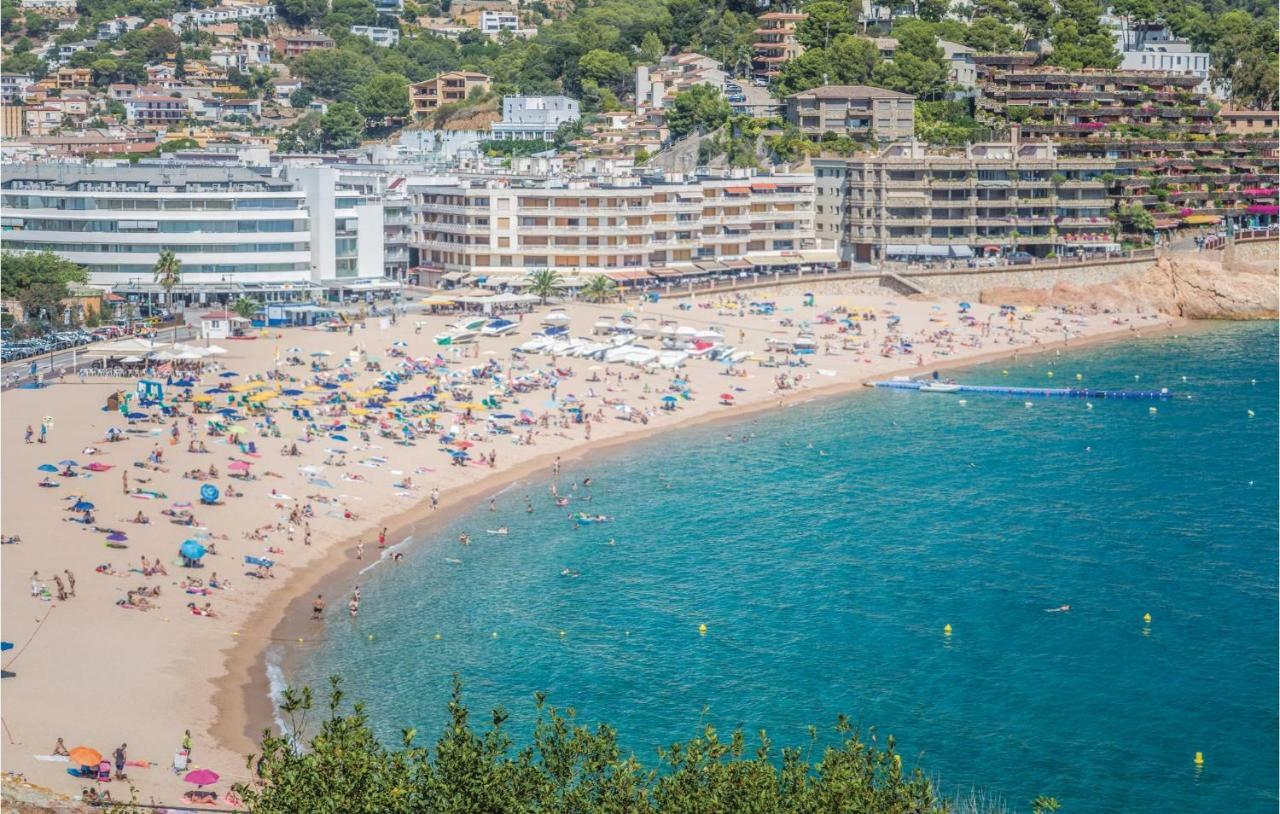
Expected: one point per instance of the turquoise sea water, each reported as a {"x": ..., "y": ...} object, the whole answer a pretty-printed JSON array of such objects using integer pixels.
[{"x": 825, "y": 581}]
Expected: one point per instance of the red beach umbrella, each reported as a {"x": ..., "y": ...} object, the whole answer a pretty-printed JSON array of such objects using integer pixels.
[{"x": 202, "y": 777}]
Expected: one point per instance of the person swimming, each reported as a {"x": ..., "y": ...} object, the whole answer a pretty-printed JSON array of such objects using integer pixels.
[{"x": 1059, "y": 609}]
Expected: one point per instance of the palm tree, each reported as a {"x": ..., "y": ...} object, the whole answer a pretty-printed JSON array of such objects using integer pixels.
[
  {"x": 544, "y": 283},
  {"x": 244, "y": 307},
  {"x": 600, "y": 289},
  {"x": 167, "y": 274}
]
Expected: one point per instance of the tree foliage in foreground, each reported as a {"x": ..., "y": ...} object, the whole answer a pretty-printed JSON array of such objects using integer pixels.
[{"x": 565, "y": 768}]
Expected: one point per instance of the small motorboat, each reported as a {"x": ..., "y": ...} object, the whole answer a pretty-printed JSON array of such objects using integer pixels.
[{"x": 939, "y": 387}]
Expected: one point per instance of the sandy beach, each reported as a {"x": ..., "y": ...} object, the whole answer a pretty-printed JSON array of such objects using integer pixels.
[{"x": 100, "y": 674}]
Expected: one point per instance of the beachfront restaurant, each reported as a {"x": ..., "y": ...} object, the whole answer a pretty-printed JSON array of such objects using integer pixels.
[{"x": 297, "y": 315}]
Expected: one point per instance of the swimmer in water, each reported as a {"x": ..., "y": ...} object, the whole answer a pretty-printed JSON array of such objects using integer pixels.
[
  {"x": 586, "y": 481},
  {"x": 464, "y": 538},
  {"x": 1060, "y": 609}
]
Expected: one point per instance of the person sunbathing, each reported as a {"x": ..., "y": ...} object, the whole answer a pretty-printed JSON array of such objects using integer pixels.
[{"x": 141, "y": 518}]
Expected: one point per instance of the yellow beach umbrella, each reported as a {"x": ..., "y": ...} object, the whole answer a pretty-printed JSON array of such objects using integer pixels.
[
  {"x": 376, "y": 391},
  {"x": 304, "y": 403},
  {"x": 358, "y": 411},
  {"x": 313, "y": 388},
  {"x": 202, "y": 398}
]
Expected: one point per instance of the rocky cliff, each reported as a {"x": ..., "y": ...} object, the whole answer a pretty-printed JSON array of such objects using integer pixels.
[{"x": 1182, "y": 286}]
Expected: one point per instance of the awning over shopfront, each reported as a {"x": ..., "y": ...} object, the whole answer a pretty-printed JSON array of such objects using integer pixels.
[
  {"x": 628, "y": 275},
  {"x": 916, "y": 250},
  {"x": 823, "y": 256},
  {"x": 961, "y": 252}
]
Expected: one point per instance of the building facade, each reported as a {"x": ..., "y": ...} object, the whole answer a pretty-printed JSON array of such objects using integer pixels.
[
  {"x": 853, "y": 110},
  {"x": 526, "y": 118},
  {"x": 381, "y": 37},
  {"x": 909, "y": 202},
  {"x": 237, "y": 231},
  {"x": 453, "y": 86},
  {"x": 506, "y": 226},
  {"x": 776, "y": 42}
]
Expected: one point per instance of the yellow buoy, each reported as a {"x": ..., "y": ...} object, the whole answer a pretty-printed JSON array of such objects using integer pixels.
[
  {"x": 702, "y": 629},
  {"x": 495, "y": 634},
  {"x": 438, "y": 637},
  {"x": 1004, "y": 373},
  {"x": 1050, "y": 374},
  {"x": 946, "y": 630},
  {"x": 1079, "y": 377},
  {"x": 1199, "y": 758},
  {"x": 370, "y": 637},
  {"x": 562, "y": 634}
]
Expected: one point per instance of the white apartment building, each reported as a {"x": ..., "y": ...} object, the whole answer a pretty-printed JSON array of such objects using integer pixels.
[
  {"x": 381, "y": 37},
  {"x": 534, "y": 117},
  {"x": 492, "y": 22},
  {"x": 237, "y": 230},
  {"x": 631, "y": 228},
  {"x": 224, "y": 14},
  {"x": 1154, "y": 47}
]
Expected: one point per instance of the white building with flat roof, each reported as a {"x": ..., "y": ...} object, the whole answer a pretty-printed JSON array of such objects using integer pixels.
[
  {"x": 382, "y": 37},
  {"x": 534, "y": 117},
  {"x": 237, "y": 230}
]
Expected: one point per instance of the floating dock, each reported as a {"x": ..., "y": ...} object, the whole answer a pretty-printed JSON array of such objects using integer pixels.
[{"x": 1039, "y": 392}]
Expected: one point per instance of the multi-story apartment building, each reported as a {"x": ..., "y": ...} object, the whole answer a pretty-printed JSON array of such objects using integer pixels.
[
  {"x": 236, "y": 230},
  {"x": 658, "y": 85},
  {"x": 296, "y": 45},
  {"x": 776, "y": 42},
  {"x": 381, "y": 37},
  {"x": 525, "y": 118},
  {"x": 853, "y": 110},
  {"x": 214, "y": 15},
  {"x": 634, "y": 227},
  {"x": 493, "y": 22},
  {"x": 1151, "y": 46},
  {"x": 1089, "y": 103},
  {"x": 1169, "y": 145},
  {"x": 155, "y": 111},
  {"x": 910, "y": 202},
  {"x": 453, "y": 86},
  {"x": 13, "y": 86},
  {"x": 56, "y": 8}
]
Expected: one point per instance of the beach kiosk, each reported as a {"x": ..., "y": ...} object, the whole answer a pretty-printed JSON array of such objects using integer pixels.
[{"x": 223, "y": 325}]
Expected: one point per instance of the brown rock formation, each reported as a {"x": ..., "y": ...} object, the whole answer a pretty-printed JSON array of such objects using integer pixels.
[{"x": 1186, "y": 287}]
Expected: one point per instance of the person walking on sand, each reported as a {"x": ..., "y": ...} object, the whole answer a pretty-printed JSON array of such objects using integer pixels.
[
  {"x": 119, "y": 755},
  {"x": 125, "y": 478},
  {"x": 29, "y": 434},
  {"x": 317, "y": 607},
  {"x": 35, "y": 583},
  {"x": 71, "y": 582},
  {"x": 435, "y": 498},
  {"x": 360, "y": 550},
  {"x": 382, "y": 538}
]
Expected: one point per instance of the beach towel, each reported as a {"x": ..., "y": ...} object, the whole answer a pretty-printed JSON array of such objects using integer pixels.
[{"x": 53, "y": 758}]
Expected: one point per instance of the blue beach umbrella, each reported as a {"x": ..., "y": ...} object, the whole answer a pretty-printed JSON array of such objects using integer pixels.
[
  {"x": 457, "y": 453},
  {"x": 82, "y": 506},
  {"x": 6, "y": 646},
  {"x": 292, "y": 392},
  {"x": 191, "y": 549},
  {"x": 135, "y": 415},
  {"x": 669, "y": 399},
  {"x": 329, "y": 386},
  {"x": 228, "y": 374},
  {"x": 215, "y": 390},
  {"x": 47, "y": 468},
  {"x": 209, "y": 493},
  {"x": 338, "y": 437},
  {"x": 116, "y": 537},
  {"x": 67, "y": 462},
  {"x": 263, "y": 561}
]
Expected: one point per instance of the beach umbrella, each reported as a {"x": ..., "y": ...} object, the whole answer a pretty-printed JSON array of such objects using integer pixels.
[
  {"x": 294, "y": 349},
  {"x": 6, "y": 646},
  {"x": 669, "y": 399},
  {"x": 116, "y": 537},
  {"x": 191, "y": 549},
  {"x": 323, "y": 353},
  {"x": 209, "y": 493},
  {"x": 84, "y": 756},
  {"x": 292, "y": 392},
  {"x": 67, "y": 462},
  {"x": 47, "y": 468},
  {"x": 239, "y": 465},
  {"x": 264, "y": 562},
  {"x": 82, "y": 506},
  {"x": 135, "y": 416},
  {"x": 202, "y": 399},
  {"x": 457, "y": 453},
  {"x": 321, "y": 482},
  {"x": 236, "y": 429},
  {"x": 202, "y": 777},
  {"x": 338, "y": 438},
  {"x": 463, "y": 444},
  {"x": 228, "y": 374},
  {"x": 726, "y": 397}
]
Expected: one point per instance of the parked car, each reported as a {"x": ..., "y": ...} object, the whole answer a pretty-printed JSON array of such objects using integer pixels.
[
  {"x": 760, "y": 82},
  {"x": 1020, "y": 258}
]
